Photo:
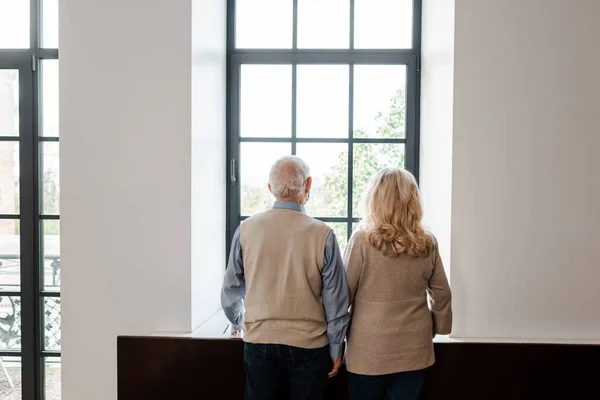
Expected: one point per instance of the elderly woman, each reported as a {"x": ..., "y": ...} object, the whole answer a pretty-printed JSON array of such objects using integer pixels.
[{"x": 393, "y": 266}]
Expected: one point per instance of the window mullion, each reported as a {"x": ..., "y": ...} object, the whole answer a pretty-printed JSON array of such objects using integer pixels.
[
  {"x": 350, "y": 207},
  {"x": 351, "y": 24},
  {"x": 294, "y": 105},
  {"x": 233, "y": 151},
  {"x": 29, "y": 300},
  {"x": 416, "y": 31},
  {"x": 295, "y": 25},
  {"x": 412, "y": 123}
]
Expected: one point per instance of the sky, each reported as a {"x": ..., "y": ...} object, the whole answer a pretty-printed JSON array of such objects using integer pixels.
[
  {"x": 49, "y": 97},
  {"x": 14, "y": 24},
  {"x": 324, "y": 23}
]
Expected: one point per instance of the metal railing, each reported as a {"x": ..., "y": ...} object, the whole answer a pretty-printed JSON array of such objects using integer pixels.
[
  {"x": 54, "y": 265},
  {"x": 10, "y": 303}
]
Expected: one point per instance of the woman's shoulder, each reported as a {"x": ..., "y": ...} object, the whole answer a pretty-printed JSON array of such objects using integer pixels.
[
  {"x": 434, "y": 250},
  {"x": 358, "y": 238},
  {"x": 432, "y": 236}
]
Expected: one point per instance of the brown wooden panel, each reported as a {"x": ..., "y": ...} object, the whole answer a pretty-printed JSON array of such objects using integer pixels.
[{"x": 152, "y": 368}]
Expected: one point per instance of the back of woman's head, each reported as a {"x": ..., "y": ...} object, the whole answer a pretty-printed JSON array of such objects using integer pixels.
[{"x": 393, "y": 213}]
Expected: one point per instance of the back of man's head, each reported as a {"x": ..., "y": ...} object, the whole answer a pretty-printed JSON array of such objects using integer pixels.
[{"x": 288, "y": 179}]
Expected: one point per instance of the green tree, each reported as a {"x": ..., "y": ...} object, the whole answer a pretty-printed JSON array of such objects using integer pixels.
[
  {"x": 255, "y": 199},
  {"x": 369, "y": 158}
]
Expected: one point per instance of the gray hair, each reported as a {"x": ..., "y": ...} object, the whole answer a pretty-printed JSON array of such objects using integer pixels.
[{"x": 288, "y": 177}]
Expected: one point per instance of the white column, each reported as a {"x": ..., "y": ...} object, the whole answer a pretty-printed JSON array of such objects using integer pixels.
[
  {"x": 142, "y": 89},
  {"x": 437, "y": 70},
  {"x": 209, "y": 25}
]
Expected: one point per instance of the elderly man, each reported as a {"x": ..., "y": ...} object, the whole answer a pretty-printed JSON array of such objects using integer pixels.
[{"x": 286, "y": 270}]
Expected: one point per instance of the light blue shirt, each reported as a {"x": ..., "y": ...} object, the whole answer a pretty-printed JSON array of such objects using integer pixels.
[{"x": 336, "y": 295}]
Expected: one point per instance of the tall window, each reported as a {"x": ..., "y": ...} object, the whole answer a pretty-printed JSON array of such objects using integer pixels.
[
  {"x": 332, "y": 81},
  {"x": 29, "y": 201}
]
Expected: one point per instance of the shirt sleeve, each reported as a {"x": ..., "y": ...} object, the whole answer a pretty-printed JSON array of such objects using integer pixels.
[
  {"x": 336, "y": 296},
  {"x": 234, "y": 285},
  {"x": 440, "y": 295}
]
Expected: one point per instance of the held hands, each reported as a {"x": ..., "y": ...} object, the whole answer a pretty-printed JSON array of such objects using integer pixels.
[{"x": 337, "y": 363}]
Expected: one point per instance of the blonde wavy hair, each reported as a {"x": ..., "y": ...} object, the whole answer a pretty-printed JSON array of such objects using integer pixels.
[{"x": 393, "y": 214}]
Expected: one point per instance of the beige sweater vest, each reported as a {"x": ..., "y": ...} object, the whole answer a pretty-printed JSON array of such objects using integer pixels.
[{"x": 282, "y": 252}]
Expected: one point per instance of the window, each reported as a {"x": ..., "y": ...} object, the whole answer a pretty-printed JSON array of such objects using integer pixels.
[
  {"x": 30, "y": 339},
  {"x": 332, "y": 81}
]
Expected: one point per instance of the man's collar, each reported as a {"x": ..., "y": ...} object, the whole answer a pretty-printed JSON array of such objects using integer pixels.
[{"x": 290, "y": 205}]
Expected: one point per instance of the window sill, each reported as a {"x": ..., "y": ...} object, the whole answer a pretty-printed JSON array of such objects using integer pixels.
[{"x": 218, "y": 327}]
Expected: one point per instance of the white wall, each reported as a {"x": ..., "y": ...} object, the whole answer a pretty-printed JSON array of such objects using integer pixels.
[
  {"x": 142, "y": 134},
  {"x": 129, "y": 185},
  {"x": 437, "y": 78},
  {"x": 526, "y": 191},
  {"x": 209, "y": 26}
]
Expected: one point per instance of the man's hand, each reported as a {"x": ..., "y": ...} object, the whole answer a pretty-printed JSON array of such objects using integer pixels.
[
  {"x": 337, "y": 363},
  {"x": 236, "y": 332}
]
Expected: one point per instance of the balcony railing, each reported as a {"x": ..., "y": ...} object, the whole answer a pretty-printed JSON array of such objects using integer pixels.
[{"x": 10, "y": 304}]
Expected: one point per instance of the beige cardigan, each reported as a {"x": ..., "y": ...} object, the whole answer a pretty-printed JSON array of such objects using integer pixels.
[{"x": 392, "y": 325}]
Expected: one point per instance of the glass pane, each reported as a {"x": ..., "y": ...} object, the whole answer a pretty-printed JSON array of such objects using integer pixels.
[
  {"x": 10, "y": 378},
  {"x": 383, "y": 24},
  {"x": 355, "y": 227},
  {"x": 340, "y": 229},
  {"x": 10, "y": 259},
  {"x": 10, "y": 322},
  {"x": 52, "y": 323},
  {"x": 14, "y": 25},
  {"x": 51, "y": 255},
  {"x": 256, "y": 160},
  {"x": 263, "y": 24},
  {"x": 50, "y": 24},
  {"x": 368, "y": 159},
  {"x": 323, "y": 24},
  {"x": 379, "y": 101},
  {"x": 322, "y": 101},
  {"x": 266, "y": 101},
  {"x": 9, "y": 101},
  {"x": 328, "y": 164},
  {"x": 50, "y": 178},
  {"x": 49, "y": 98},
  {"x": 9, "y": 178},
  {"x": 52, "y": 373}
]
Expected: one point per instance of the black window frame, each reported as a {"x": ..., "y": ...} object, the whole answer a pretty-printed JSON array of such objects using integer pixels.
[
  {"x": 294, "y": 56},
  {"x": 29, "y": 63}
]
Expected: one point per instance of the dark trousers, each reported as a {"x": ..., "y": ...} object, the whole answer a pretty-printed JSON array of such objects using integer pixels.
[
  {"x": 400, "y": 386},
  {"x": 276, "y": 371}
]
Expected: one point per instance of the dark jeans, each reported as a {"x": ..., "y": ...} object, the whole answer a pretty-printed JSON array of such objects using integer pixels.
[
  {"x": 400, "y": 386},
  {"x": 273, "y": 368}
]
